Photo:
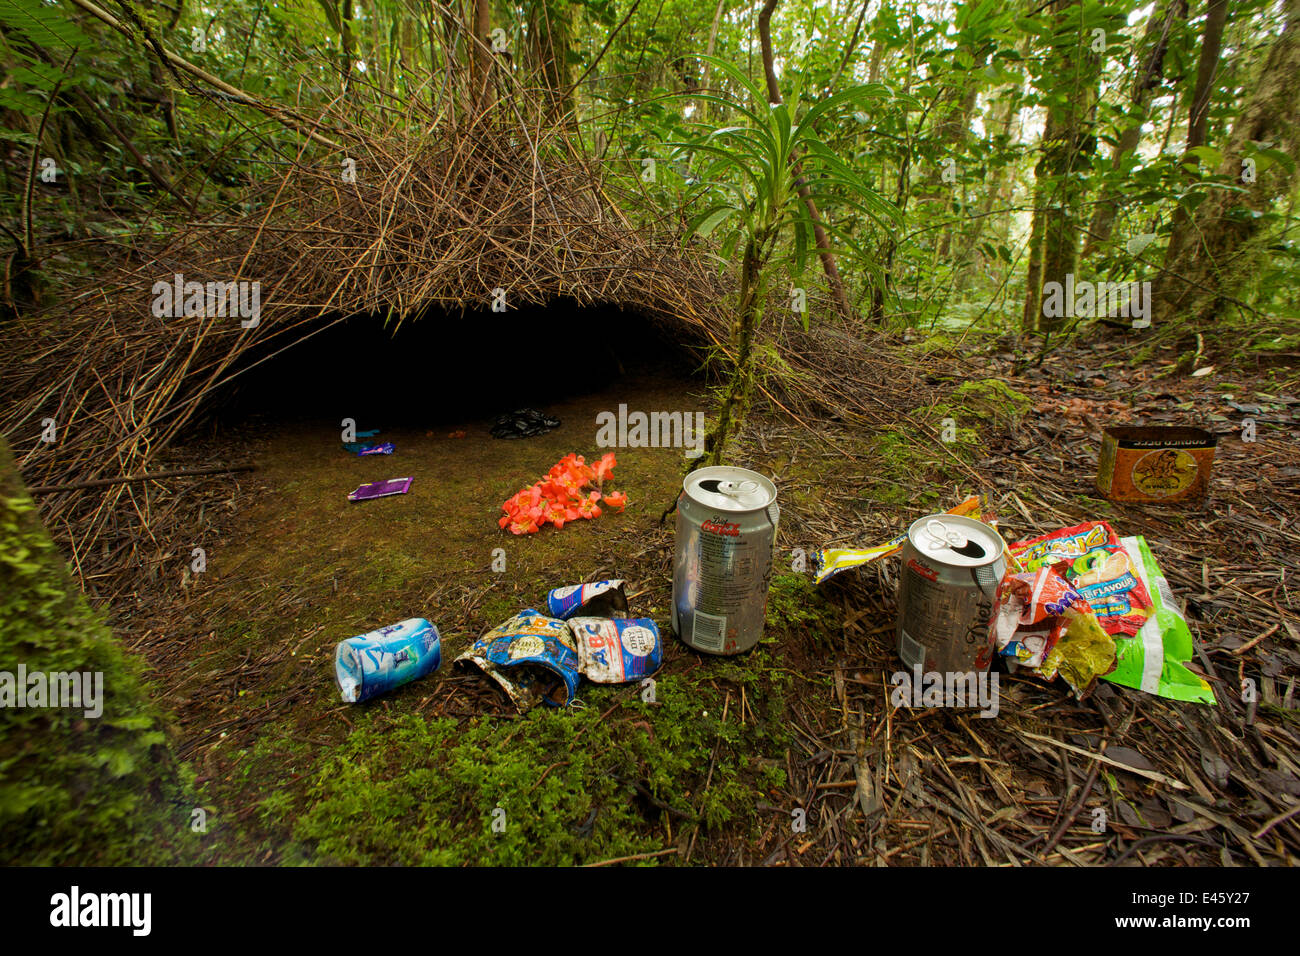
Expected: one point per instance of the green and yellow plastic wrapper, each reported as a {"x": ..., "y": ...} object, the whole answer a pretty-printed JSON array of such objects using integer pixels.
[{"x": 1153, "y": 660}]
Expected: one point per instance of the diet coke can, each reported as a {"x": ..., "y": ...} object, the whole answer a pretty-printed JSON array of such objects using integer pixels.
[
  {"x": 722, "y": 563},
  {"x": 951, "y": 569}
]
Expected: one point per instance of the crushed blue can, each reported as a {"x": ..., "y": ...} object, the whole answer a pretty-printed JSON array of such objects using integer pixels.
[
  {"x": 374, "y": 663},
  {"x": 532, "y": 657},
  {"x": 615, "y": 651},
  {"x": 597, "y": 599}
]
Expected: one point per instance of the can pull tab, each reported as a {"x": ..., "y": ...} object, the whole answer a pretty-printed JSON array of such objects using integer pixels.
[
  {"x": 732, "y": 489},
  {"x": 944, "y": 536},
  {"x": 737, "y": 489}
]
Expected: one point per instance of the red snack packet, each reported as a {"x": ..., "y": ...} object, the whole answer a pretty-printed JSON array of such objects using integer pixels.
[{"x": 1098, "y": 568}]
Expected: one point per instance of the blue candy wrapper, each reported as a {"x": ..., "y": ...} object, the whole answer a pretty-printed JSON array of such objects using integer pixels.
[
  {"x": 373, "y": 663},
  {"x": 617, "y": 651}
]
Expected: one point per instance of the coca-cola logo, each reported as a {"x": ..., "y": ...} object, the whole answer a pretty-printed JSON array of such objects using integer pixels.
[
  {"x": 717, "y": 526},
  {"x": 921, "y": 569}
]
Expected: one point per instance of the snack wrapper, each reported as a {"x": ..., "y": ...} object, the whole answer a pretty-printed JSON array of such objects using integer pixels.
[
  {"x": 1082, "y": 653},
  {"x": 831, "y": 561},
  {"x": 615, "y": 651},
  {"x": 378, "y": 661},
  {"x": 1098, "y": 568},
  {"x": 1154, "y": 659},
  {"x": 532, "y": 657},
  {"x": 597, "y": 599},
  {"x": 381, "y": 489},
  {"x": 1044, "y": 624},
  {"x": 1027, "y": 614}
]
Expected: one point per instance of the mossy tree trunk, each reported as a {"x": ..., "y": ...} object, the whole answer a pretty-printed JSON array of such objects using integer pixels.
[
  {"x": 76, "y": 786},
  {"x": 744, "y": 331},
  {"x": 1199, "y": 113},
  {"x": 1067, "y": 139},
  {"x": 1216, "y": 261},
  {"x": 1155, "y": 43}
]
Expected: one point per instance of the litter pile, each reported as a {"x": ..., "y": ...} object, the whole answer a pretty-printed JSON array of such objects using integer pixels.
[
  {"x": 1080, "y": 603},
  {"x": 363, "y": 449},
  {"x": 523, "y": 423},
  {"x": 534, "y": 657}
]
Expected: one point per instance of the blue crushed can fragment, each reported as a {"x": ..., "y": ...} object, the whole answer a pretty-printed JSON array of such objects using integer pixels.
[
  {"x": 532, "y": 657},
  {"x": 615, "y": 651},
  {"x": 596, "y": 599},
  {"x": 373, "y": 663}
]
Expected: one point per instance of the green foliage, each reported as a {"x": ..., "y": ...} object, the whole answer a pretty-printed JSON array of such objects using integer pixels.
[
  {"x": 746, "y": 176},
  {"x": 75, "y": 789}
]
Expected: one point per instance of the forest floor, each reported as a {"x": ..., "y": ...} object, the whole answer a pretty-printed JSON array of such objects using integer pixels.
[{"x": 788, "y": 755}]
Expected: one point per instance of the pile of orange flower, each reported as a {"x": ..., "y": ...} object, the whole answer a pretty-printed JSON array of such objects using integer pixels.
[{"x": 562, "y": 496}]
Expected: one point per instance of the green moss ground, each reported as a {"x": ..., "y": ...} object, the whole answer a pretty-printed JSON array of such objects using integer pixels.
[{"x": 410, "y": 778}]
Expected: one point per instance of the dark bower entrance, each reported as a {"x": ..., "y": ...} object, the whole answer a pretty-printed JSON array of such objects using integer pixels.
[{"x": 443, "y": 368}]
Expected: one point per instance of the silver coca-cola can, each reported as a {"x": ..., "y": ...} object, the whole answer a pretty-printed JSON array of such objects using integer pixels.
[
  {"x": 951, "y": 569},
  {"x": 722, "y": 561}
]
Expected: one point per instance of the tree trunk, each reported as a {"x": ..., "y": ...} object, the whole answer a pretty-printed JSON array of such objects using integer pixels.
[
  {"x": 1215, "y": 262},
  {"x": 1058, "y": 193},
  {"x": 550, "y": 32},
  {"x": 703, "y": 106},
  {"x": 954, "y": 134},
  {"x": 345, "y": 37},
  {"x": 1034, "y": 271},
  {"x": 480, "y": 52},
  {"x": 996, "y": 195},
  {"x": 1198, "y": 114},
  {"x": 1155, "y": 40},
  {"x": 735, "y": 404}
]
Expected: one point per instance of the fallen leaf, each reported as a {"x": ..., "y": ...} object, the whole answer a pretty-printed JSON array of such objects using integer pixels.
[
  {"x": 1215, "y": 767},
  {"x": 1130, "y": 758}
]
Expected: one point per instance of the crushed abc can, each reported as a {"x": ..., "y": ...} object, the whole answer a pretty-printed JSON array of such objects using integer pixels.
[
  {"x": 532, "y": 657},
  {"x": 617, "y": 650},
  {"x": 722, "y": 561},
  {"x": 374, "y": 663},
  {"x": 596, "y": 599},
  {"x": 950, "y": 574}
]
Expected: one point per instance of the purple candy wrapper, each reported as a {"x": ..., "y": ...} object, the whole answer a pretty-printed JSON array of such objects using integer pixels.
[
  {"x": 380, "y": 489},
  {"x": 387, "y": 448}
]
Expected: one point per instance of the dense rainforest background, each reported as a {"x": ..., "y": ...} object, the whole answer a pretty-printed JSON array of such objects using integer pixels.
[
  {"x": 895, "y": 252},
  {"x": 999, "y": 146}
]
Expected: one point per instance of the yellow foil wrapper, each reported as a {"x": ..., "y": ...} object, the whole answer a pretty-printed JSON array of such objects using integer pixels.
[{"x": 1083, "y": 653}]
